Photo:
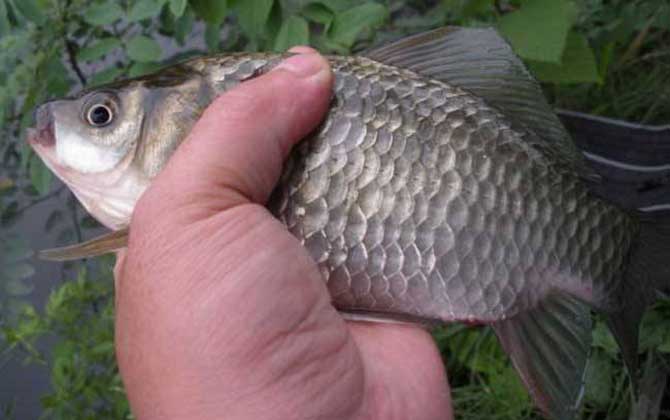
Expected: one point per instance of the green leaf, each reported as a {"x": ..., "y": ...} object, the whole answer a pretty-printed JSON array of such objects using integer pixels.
[
  {"x": 4, "y": 21},
  {"x": 103, "y": 14},
  {"x": 30, "y": 10},
  {"x": 143, "y": 49},
  {"x": 212, "y": 37},
  {"x": 104, "y": 348},
  {"x": 319, "y": 13},
  {"x": 539, "y": 29},
  {"x": 177, "y": 7},
  {"x": 105, "y": 76},
  {"x": 145, "y": 9},
  {"x": 294, "y": 31},
  {"x": 253, "y": 15},
  {"x": 98, "y": 50},
  {"x": 211, "y": 11},
  {"x": 140, "y": 69},
  {"x": 40, "y": 176},
  {"x": 603, "y": 339},
  {"x": 339, "y": 5},
  {"x": 349, "y": 24},
  {"x": 578, "y": 64},
  {"x": 183, "y": 26},
  {"x": 477, "y": 7},
  {"x": 599, "y": 379}
]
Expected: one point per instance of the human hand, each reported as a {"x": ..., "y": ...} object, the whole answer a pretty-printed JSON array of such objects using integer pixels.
[{"x": 221, "y": 313}]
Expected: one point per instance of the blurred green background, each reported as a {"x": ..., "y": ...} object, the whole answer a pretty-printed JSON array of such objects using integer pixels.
[{"x": 605, "y": 57}]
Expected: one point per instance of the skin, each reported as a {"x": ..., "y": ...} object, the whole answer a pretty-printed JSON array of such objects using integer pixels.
[{"x": 221, "y": 313}]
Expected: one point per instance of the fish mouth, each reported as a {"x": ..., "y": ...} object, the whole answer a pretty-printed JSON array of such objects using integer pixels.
[
  {"x": 42, "y": 136},
  {"x": 43, "y": 141}
]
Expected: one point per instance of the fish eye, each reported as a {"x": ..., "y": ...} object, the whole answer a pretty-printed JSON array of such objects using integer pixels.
[{"x": 99, "y": 115}]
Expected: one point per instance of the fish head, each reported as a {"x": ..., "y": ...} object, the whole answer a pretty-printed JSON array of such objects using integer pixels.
[
  {"x": 89, "y": 134},
  {"x": 90, "y": 141},
  {"x": 107, "y": 144}
]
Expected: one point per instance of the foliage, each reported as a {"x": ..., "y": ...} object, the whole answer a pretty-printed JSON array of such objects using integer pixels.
[
  {"x": 85, "y": 383},
  {"x": 604, "y": 56}
]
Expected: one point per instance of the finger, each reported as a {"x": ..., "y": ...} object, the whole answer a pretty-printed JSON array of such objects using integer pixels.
[{"x": 235, "y": 152}]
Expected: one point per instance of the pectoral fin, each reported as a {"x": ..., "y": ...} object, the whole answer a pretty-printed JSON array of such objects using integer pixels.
[
  {"x": 549, "y": 347},
  {"x": 104, "y": 244}
]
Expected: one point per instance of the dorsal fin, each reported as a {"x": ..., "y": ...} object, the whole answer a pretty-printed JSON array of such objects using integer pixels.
[{"x": 483, "y": 63}]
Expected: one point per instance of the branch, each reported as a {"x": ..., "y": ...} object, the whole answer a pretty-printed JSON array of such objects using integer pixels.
[{"x": 69, "y": 45}]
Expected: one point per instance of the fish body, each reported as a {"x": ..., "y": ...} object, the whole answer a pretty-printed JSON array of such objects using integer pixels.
[{"x": 426, "y": 195}]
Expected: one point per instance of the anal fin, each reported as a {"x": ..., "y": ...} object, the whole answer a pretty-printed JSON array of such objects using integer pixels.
[
  {"x": 104, "y": 244},
  {"x": 549, "y": 346}
]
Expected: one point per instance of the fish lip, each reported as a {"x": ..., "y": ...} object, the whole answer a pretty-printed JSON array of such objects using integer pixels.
[{"x": 42, "y": 136}]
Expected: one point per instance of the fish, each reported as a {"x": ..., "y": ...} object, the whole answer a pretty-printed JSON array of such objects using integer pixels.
[{"x": 440, "y": 187}]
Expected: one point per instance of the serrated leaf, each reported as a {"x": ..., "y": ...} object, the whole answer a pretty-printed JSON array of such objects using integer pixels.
[
  {"x": 143, "y": 49},
  {"x": 19, "y": 287},
  {"x": 145, "y": 9},
  {"x": 539, "y": 29},
  {"x": 177, "y": 7},
  {"x": 211, "y": 11},
  {"x": 578, "y": 64},
  {"x": 294, "y": 31},
  {"x": 100, "y": 14},
  {"x": 40, "y": 176},
  {"x": 253, "y": 15},
  {"x": 98, "y": 50},
  {"x": 349, "y": 24}
]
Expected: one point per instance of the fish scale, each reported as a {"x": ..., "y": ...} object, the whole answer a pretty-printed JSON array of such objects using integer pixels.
[{"x": 428, "y": 204}]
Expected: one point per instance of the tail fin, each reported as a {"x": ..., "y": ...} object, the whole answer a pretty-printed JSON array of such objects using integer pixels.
[{"x": 647, "y": 278}]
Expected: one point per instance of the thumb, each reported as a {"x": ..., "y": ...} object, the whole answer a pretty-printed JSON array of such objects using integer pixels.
[{"x": 235, "y": 152}]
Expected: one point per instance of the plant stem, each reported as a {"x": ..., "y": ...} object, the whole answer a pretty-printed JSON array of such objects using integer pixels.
[{"x": 70, "y": 47}]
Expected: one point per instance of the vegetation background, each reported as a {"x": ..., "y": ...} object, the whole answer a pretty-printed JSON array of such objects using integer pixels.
[{"x": 607, "y": 57}]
